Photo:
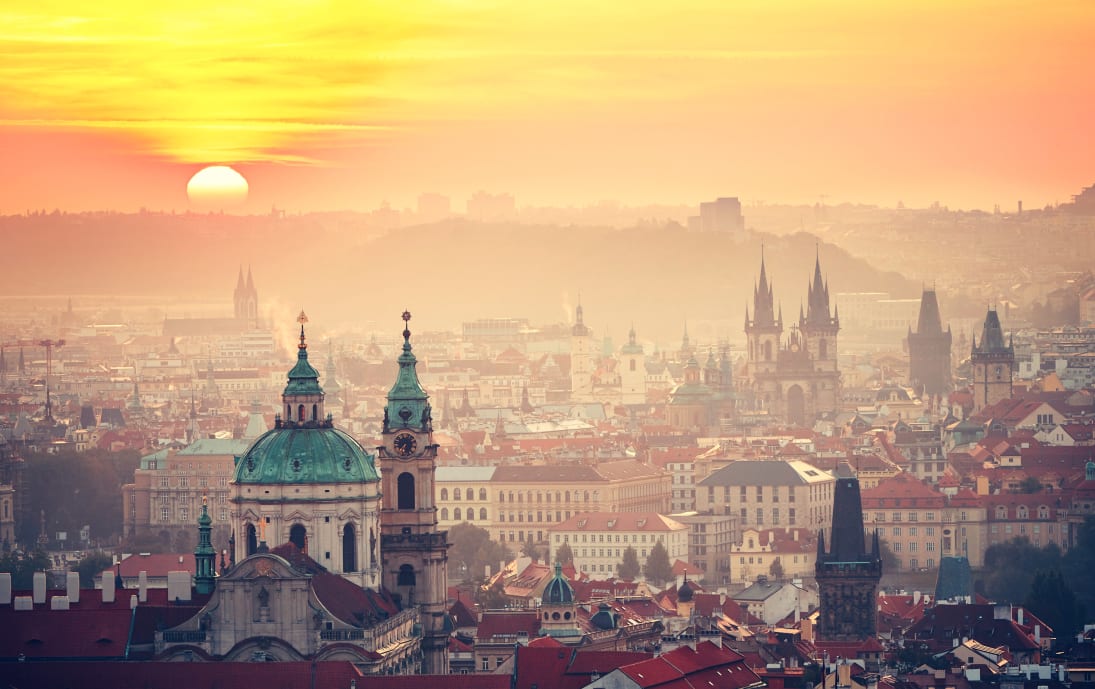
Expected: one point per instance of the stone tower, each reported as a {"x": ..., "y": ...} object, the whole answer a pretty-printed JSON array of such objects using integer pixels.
[
  {"x": 415, "y": 551},
  {"x": 581, "y": 359},
  {"x": 246, "y": 300},
  {"x": 765, "y": 329},
  {"x": 632, "y": 372},
  {"x": 993, "y": 363},
  {"x": 847, "y": 573},
  {"x": 930, "y": 349},
  {"x": 820, "y": 325}
]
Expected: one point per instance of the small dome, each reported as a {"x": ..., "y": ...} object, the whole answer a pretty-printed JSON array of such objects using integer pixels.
[
  {"x": 559, "y": 590},
  {"x": 604, "y": 618},
  {"x": 320, "y": 454},
  {"x": 685, "y": 592}
]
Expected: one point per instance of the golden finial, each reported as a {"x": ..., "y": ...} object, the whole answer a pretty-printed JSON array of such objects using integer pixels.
[{"x": 302, "y": 319}]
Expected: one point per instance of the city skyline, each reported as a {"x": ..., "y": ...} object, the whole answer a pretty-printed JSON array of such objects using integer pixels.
[{"x": 342, "y": 107}]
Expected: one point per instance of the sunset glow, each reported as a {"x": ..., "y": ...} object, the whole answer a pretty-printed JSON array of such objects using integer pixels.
[{"x": 342, "y": 104}]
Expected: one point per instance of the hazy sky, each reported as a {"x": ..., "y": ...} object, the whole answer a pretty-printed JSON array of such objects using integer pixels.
[{"x": 335, "y": 105}]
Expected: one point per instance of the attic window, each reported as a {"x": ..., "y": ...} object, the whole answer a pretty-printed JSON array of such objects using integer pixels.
[
  {"x": 611, "y": 523},
  {"x": 581, "y": 523},
  {"x": 641, "y": 523},
  {"x": 810, "y": 472}
]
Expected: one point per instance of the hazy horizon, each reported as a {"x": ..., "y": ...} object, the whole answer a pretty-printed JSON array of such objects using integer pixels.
[{"x": 115, "y": 106}]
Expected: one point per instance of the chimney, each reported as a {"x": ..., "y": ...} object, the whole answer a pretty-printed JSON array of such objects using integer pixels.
[
  {"x": 5, "y": 588},
  {"x": 58, "y": 603},
  {"x": 1019, "y": 615},
  {"x": 72, "y": 586},
  {"x": 142, "y": 586},
  {"x": 712, "y": 635},
  {"x": 133, "y": 601},
  {"x": 108, "y": 586},
  {"x": 916, "y": 597},
  {"x": 39, "y": 588},
  {"x": 1037, "y": 633}
]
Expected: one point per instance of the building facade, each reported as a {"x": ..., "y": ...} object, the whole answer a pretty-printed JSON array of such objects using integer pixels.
[
  {"x": 769, "y": 493},
  {"x": 797, "y": 380},
  {"x": 598, "y": 539}
]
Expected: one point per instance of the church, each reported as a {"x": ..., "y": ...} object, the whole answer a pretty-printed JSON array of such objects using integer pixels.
[
  {"x": 797, "y": 379},
  {"x": 354, "y": 576}
]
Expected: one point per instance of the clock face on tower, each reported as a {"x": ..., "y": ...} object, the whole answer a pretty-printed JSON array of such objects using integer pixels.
[{"x": 404, "y": 444}]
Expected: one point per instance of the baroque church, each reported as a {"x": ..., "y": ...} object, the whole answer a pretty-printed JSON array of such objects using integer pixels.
[
  {"x": 356, "y": 576},
  {"x": 797, "y": 378}
]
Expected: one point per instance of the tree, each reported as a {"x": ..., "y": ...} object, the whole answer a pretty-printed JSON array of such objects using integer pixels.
[
  {"x": 564, "y": 554},
  {"x": 629, "y": 567},
  {"x": 22, "y": 567},
  {"x": 776, "y": 569},
  {"x": 1030, "y": 484},
  {"x": 530, "y": 549},
  {"x": 1010, "y": 566},
  {"x": 890, "y": 562},
  {"x": 1051, "y": 599},
  {"x": 471, "y": 551},
  {"x": 658, "y": 569},
  {"x": 92, "y": 566}
]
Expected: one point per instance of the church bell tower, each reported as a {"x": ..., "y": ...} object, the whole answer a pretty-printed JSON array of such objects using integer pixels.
[{"x": 414, "y": 550}]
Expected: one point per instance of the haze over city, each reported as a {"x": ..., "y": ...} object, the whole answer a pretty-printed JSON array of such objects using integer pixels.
[{"x": 491, "y": 345}]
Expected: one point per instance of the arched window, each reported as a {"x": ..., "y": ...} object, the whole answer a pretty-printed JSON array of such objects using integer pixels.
[
  {"x": 300, "y": 413},
  {"x": 444, "y": 514},
  {"x": 288, "y": 412},
  {"x": 349, "y": 548},
  {"x": 444, "y": 493},
  {"x": 455, "y": 493},
  {"x": 252, "y": 539},
  {"x": 470, "y": 514},
  {"x": 1001, "y": 512},
  {"x": 406, "y": 576},
  {"x": 482, "y": 514},
  {"x": 1043, "y": 512},
  {"x": 299, "y": 537},
  {"x": 632, "y": 364},
  {"x": 1022, "y": 512},
  {"x": 456, "y": 514},
  {"x": 405, "y": 491},
  {"x": 315, "y": 412},
  {"x": 483, "y": 494}
]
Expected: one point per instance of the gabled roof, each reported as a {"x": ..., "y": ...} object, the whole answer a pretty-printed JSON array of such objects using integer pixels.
[{"x": 707, "y": 665}]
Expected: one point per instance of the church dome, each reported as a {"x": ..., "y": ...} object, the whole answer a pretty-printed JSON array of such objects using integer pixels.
[
  {"x": 304, "y": 448},
  {"x": 320, "y": 454},
  {"x": 559, "y": 590}
]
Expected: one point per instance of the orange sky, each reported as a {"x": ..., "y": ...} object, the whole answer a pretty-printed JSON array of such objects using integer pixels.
[{"x": 333, "y": 105}]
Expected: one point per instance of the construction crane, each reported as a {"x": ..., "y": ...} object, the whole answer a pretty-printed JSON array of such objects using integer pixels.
[{"x": 49, "y": 345}]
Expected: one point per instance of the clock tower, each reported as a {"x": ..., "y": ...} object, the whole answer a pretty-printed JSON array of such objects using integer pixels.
[
  {"x": 992, "y": 362},
  {"x": 414, "y": 550}
]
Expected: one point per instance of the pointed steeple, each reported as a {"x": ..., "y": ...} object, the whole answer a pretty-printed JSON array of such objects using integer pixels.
[
  {"x": 818, "y": 313},
  {"x": 929, "y": 322},
  {"x": 408, "y": 405},
  {"x": 763, "y": 300},
  {"x": 303, "y": 377},
  {"x": 579, "y": 329},
  {"x": 205, "y": 556},
  {"x": 992, "y": 336},
  {"x": 250, "y": 281}
]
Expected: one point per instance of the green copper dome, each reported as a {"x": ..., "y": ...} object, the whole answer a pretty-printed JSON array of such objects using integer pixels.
[
  {"x": 408, "y": 404},
  {"x": 558, "y": 590},
  {"x": 303, "y": 377},
  {"x": 320, "y": 454}
]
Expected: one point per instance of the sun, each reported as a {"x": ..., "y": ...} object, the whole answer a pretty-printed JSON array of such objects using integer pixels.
[{"x": 217, "y": 187}]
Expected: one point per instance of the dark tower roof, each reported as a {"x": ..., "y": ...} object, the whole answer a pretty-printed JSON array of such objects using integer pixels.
[
  {"x": 764, "y": 305},
  {"x": 930, "y": 322},
  {"x": 847, "y": 543},
  {"x": 818, "y": 312},
  {"x": 579, "y": 328},
  {"x": 992, "y": 337}
]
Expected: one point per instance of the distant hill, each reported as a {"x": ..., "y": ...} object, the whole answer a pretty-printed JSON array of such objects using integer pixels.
[{"x": 339, "y": 269}]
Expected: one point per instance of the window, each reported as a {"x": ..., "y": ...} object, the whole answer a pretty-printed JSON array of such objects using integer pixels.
[
  {"x": 485, "y": 666},
  {"x": 912, "y": 547},
  {"x": 912, "y": 516},
  {"x": 896, "y": 516},
  {"x": 930, "y": 546},
  {"x": 445, "y": 514},
  {"x": 483, "y": 494},
  {"x": 791, "y": 516},
  {"x": 929, "y": 516},
  {"x": 897, "y": 547},
  {"x": 164, "y": 482},
  {"x": 405, "y": 498},
  {"x": 912, "y": 531},
  {"x": 444, "y": 493},
  {"x": 482, "y": 514},
  {"x": 897, "y": 531},
  {"x": 165, "y": 514},
  {"x": 929, "y": 531},
  {"x": 455, "y": 493}
]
